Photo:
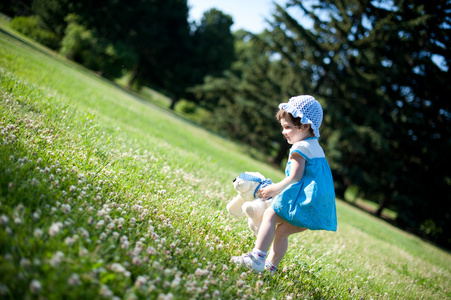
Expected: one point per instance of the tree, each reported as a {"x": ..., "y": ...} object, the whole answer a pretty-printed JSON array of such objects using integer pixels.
[
  {"x": 382, "y": 69},
  {"x": 214, "y": 44},
  {"x": 151, "y": 38},
  {"x": 53, "y": 14},
  {"x": 15, "y": 8},
  {"x": 212, "y": 51},
  {"x": 243, "y": 101}
]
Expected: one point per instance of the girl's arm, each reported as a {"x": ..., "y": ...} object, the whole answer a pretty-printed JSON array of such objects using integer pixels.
[{"x": 297, "y": 168}]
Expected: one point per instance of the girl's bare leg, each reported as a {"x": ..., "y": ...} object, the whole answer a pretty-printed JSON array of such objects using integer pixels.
[
  {"x": 267, "y": 230},
  {"x": 280, "y": 245}
]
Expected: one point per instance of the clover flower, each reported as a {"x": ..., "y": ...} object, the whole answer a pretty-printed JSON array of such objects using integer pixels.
[
  {"x": 136, "y": 260},
  {"x": 68, "y": 241},
  {"x": 4, "y": 220},
  {"x": 74, "y": 280},
  {"x": 37, "y": 214},
  {"x": 200, "y": 272},
  {"x": 35, "y": 286},
  {"x": 168, "y": 296},
  {"x": 55, "y": 228},
  {"x": 151, "y": 250},
  {"x": 37, "y": 233},
  {"x": 65, "y": 208},
  {"x": 105, "y": 291},
  {"x": 100, "y": 224},
  {"x": 56, "y": 258},
  {"x": 140, "y": 281},
  {"x": 240, "y": 283}
]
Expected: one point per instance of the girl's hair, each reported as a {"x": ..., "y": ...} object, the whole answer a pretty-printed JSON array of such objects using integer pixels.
[{"x": 283, "y": 114}]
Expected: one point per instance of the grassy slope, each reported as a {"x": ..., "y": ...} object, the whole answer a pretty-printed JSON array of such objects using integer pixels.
[{"x": 133, "y": 157}]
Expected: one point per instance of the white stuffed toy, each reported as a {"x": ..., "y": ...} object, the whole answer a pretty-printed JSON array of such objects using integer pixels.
[{"x": 246, "y": 203}]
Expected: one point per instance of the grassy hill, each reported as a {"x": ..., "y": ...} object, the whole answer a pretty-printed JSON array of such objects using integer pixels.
[{"x": 105, "y": 195}]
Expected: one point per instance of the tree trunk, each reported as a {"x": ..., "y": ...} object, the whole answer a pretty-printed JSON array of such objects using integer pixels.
[
  {"x": 383, "y": 204},
  {"x": 133, "y": 78},
  {"x": 174, "y": 101}
]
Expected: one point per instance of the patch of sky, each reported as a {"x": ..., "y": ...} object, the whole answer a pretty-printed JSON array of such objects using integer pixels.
[
  {"x": 385, "y": 4},
  {"x": 440, "y": 61},
  {"x": 387, "y": 63}
]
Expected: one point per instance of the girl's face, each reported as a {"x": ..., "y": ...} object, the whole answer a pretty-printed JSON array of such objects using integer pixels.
[{"x": 292, "y": 133}]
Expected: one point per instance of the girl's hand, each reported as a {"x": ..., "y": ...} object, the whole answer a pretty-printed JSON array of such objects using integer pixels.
[{"x": 267, "y": 192}]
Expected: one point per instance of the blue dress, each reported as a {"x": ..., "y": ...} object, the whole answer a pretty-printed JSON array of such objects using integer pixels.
[{"x": 310, "y": 202}]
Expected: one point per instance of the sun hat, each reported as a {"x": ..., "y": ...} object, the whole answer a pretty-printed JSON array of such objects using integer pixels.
[{"x": 307, "y": 109}]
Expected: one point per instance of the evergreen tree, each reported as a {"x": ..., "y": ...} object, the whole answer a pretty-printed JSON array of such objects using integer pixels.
[
  {"x": 244, "y": 101},
  {"x": 211, "y": 51},
  {"x": 382, "y": 69}
]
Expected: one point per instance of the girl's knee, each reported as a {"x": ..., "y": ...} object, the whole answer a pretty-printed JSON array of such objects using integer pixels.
[
  {"x": 285, "y": 230},
  {"x": 270, "y": 214}
]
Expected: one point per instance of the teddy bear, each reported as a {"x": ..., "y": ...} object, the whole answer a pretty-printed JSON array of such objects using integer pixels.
[{"x": 247, "y": 203}]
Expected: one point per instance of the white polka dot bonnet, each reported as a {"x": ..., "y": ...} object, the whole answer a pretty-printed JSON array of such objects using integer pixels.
[{"x": 307, "y": 108}]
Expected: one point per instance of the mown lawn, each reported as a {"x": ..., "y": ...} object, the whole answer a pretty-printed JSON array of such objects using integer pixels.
[{"x": 104, "y": 195}]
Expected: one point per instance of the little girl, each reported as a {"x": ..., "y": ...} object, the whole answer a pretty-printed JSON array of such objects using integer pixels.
[{"x": 305, "y": 199}]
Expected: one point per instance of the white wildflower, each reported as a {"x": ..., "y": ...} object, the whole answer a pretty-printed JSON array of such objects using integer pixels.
[
  {"x": 125, "y": 244},
  {"x": 24, "y": 262},
  {"x": 83, "y": 252},
  {"x": 55, "y": 228},
  {"x": 240, "y": 283},
  {"x": 140, "y": 281},
  {"x": 165, "y": 297},
  {"x": 38, "y": 232},
  {"x": 65, "y": 208},
  {"x": 37, "y": 214},
  {"x": 74, "y": 280},
  {"x": 4, "y": 220},
  {"x": 56, "y": 258},
  {"x": 105, "y": 292},
  {"x": 100, "y": 224},
  {"x": 68, "y": 241},
  {"x": 151, "y": 250},
  {"x": 83, "y": 232},
  {"x": 200, "y": 272},
  {"x": 136, "y": 260},
  {"x": 118, "y": 268},
  {"x": 176, "y": 282},
  {"x": 35, "y": 286}
]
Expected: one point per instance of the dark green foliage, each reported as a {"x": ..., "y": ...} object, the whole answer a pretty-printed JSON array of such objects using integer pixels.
[
  {"x": 380, "y": 71},
  {"x": 16, "y": 8},
  {"x": 32, "y": 26},
  {"x": 53, "y": 14},
  {"x": 83, "y": 46},
  {"x": 150, "y": 39},
  {"x": 375, "y": 66},
  {"x": 244, "y": 101},
  {"x": 213, "y": 45}
]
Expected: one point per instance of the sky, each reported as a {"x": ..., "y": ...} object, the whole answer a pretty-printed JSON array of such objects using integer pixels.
[{"x": 247, "y": 14}]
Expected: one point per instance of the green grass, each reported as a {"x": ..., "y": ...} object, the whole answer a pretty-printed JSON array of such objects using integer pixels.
[{"x": 104, "y": 195}]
